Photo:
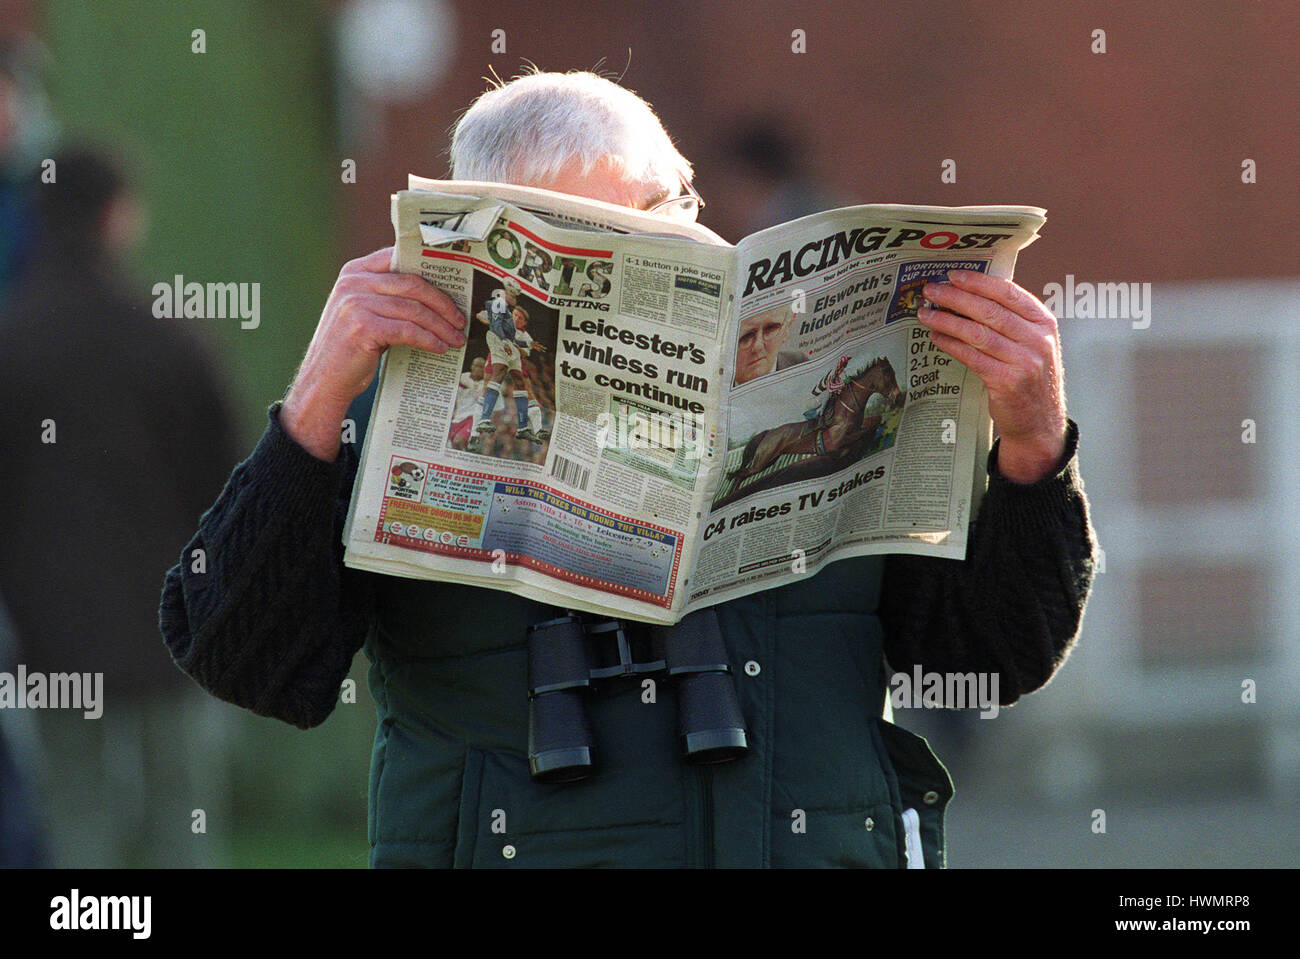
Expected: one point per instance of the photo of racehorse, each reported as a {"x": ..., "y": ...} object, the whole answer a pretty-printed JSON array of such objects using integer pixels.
[{"x": 859, "y": 417}]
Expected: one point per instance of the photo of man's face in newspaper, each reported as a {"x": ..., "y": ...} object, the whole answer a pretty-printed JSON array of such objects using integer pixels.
[
  {"x": 818, "y": 422},
  {"x": 505, "y": 400},
  {"x": 760, "y": 343}
]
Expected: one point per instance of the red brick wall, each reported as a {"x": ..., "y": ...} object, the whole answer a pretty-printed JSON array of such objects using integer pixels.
[{"x": 1128, "y": 150}]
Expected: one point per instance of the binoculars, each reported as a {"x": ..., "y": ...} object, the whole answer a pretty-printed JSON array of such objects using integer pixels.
[{"x": 568, "y": 656}]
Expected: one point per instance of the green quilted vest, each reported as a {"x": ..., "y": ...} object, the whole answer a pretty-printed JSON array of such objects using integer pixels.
[{"x": 826, "y": 782}]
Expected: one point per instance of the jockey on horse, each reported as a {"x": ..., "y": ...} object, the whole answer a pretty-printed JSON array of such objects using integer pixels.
[
  {"x": 832, "y": 381},
  {"x": 854, "y": 411}
]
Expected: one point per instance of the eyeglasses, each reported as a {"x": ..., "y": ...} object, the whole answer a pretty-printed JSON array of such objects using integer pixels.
[
  {"x": 767, "y": 333},
  {"x": 686, "y": 206}
]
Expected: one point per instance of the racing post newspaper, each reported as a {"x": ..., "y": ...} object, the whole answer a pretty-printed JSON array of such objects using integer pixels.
[{"x": 646, "y": 420}]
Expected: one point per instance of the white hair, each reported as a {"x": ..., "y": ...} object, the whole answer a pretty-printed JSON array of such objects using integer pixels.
[{"x": 531, "y": 129}]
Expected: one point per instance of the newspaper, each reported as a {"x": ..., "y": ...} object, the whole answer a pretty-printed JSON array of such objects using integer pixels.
[{"x": 646, "y": 420}]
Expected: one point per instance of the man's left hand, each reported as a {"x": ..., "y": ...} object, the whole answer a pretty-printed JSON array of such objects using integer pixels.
[{"x": 1009, "y": 340}]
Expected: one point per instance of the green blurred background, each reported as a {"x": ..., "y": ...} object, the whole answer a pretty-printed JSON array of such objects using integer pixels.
[
  {"x": 235, "y": 152},
  {"x": 234, "y": 146}
]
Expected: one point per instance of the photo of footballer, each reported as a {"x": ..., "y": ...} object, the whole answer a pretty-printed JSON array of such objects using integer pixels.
[{"x": 506, "y": 398}]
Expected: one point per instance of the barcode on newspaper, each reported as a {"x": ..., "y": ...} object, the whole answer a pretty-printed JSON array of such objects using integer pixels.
[{"x": 570, "y": 473}]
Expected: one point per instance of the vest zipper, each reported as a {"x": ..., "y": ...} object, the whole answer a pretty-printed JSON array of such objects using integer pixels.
[{"x": 705, "y": 776}]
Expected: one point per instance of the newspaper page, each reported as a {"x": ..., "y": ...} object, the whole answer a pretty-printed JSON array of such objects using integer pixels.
[
  {"x": 846, "y": 431},
  {"x": 561, "y": 452},
  {"x": 643, "y": 424}
]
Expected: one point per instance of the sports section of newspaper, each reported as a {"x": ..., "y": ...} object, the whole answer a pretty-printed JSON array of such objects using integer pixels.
[
  {"x": 643, "y": 425},
  {"x": 510, "y": 463}
]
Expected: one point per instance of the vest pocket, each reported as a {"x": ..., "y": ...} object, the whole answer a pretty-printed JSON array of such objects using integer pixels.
[
  {"x": 506, "y": 821},
  {"x": 861, "y": 837},
  {"x": 923, "y": 792}
]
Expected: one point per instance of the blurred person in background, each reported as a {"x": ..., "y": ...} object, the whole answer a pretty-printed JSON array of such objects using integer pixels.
[
  {"x": 22, "y": 844},
  {"x": 17, "y": 221},
  {"x": 119, "y": 437},
  {"x": 274, "y": 622},
  {"x": 22, "y": 841},
  {"x": 770, "y": 176},
  {"x": 17, "y": 202},
  {"x": 28, "y": 132}
]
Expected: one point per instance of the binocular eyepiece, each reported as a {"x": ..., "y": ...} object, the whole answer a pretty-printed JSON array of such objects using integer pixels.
[
  {"x": 709, "y": 722},
  {"x": 567, "y": 656}
]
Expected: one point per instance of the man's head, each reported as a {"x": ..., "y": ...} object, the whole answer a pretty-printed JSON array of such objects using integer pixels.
[
  {"x": 521, "y": 318},
  {"x": 572, "y": 132},
  {"x": 93, "y": 206},
  {"x": 761, "y": 337},
  {"x": 476, "y": 368}
]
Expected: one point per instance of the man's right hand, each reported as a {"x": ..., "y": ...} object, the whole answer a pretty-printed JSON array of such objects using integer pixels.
[{"x": 369, "y": 310}]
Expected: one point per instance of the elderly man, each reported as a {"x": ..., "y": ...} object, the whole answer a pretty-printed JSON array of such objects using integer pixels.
[{"x": 275, "y": 621}]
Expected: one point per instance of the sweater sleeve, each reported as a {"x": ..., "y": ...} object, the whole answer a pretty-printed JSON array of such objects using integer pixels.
[
  {"x": 267, "y": 616},
  {"x": 1014, "y": 605}
]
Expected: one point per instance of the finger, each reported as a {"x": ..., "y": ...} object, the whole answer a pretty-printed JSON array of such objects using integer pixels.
[
  {"x": 981, "y": 364},
  {"x": 989, "y": 312},
  {"x": 401, "y": 333},
  {"x": 1015, "y": 298},
  {"x": 410, "y": 286},
  {"x": 378, "y": 262},
  {"x": 412, "y": 311},
  {"x": 975, "y": 334}
]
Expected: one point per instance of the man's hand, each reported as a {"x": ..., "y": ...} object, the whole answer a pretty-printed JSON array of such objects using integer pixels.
[
  {"x": 369, "y": 310},
  {"x": 1009, "y": 339}
]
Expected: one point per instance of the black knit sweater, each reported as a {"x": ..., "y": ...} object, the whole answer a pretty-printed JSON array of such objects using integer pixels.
[{"x": 273, "y": 621}]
